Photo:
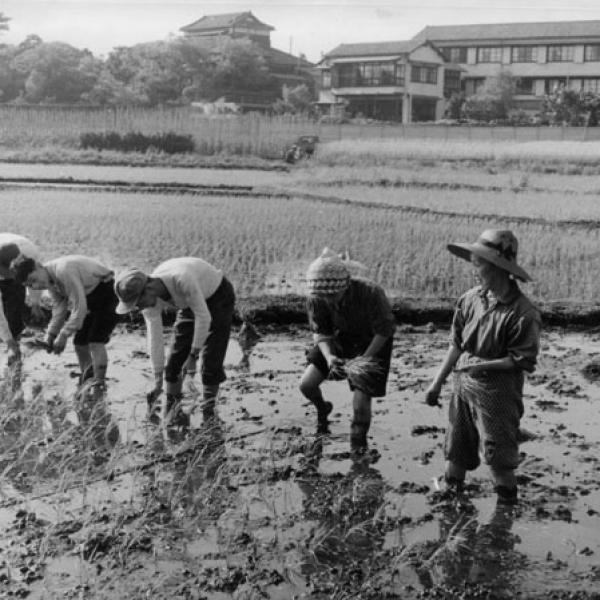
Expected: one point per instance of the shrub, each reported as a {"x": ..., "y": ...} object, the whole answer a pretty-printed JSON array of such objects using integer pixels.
[{"x": 170, "y": 143}]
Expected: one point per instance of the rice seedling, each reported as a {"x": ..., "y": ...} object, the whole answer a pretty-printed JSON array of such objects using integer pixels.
[
  {"x": 363, "y": 373},
  {"x": 389, "y": 151},
  {"x": 249, "y": 238}
]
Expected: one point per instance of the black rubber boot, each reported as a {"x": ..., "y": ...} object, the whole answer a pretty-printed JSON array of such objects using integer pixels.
[
  {"x": 507, "y": 496},
  {"x": 174, "y": 415},
  {"x": 358, "y": 436},
  {"x": 324, "y": 409},
  {"x": 153, "y": 403}
]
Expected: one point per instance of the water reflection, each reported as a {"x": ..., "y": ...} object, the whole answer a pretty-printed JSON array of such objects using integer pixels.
[
  {"x": 248, "y": 337},
  {"x": 193, "y": 476},
  {"x": 348, "y": 510},
  {"x": 47, "y": 440},
  {"x": 475, "y": 552}
]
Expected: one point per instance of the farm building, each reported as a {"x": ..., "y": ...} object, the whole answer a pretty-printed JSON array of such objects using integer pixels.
[
  {"x": 286, "y": 69},
  {"x": 393, "y": 81},
  {"x": 409, "y": 80},
  {"x": 541, "y": 55}
]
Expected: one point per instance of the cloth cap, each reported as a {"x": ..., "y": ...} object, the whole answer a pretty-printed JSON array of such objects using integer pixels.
[
  {"x": 8, "y": 252},
  {"x": 129, "y": 286},
  {"x": 498, "y": 246},
  {"x": 327, "y": 275}
]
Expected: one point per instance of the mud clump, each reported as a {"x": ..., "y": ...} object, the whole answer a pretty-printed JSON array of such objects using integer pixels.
[{"x": 591, "y": 371}]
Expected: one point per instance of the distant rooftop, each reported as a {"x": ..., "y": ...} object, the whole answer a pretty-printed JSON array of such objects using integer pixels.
[
  {"x": 373, "y": 49},
  {"x": 494, "y": 31},
  {"x": 226, "y": 21}
]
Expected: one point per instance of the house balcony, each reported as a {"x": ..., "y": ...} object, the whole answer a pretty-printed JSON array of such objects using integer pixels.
[{"x": 382, "y": 90}]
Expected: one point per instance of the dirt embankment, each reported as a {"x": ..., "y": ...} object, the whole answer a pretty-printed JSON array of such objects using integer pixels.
[{"x": 291, "y": 309}]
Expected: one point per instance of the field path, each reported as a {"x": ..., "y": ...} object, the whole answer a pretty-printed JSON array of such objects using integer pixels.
[{"x": 155, "y": 175}]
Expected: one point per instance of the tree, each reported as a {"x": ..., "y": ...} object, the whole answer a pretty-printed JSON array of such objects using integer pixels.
[
  {"x": 56, "y": 72},
  {"x": 233, "y": 66},
  {"x": 294, "y": 101},
  {"x": 151, "y": 73},
  {"x": 494, "y": 101},
  {"x": 563, "y": 106},
  {"x": 454, "y": 108}
]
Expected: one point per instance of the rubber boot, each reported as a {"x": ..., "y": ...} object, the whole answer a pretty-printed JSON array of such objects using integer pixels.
[
  {"x": 173, "y": 415},
  {"x": 506, "y": 496},
  {"x": 358, "y": 436},
  {"x": 209, "y": 400}
]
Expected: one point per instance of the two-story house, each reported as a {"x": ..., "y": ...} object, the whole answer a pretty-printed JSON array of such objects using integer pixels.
[
  {"x": 284, "y": 68},
  {"x": 541, "y": 56},
  {"x": 392, "y": 81}
]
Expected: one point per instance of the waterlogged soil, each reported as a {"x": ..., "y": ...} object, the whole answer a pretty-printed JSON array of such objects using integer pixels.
[{"x": 96, "y": 502}]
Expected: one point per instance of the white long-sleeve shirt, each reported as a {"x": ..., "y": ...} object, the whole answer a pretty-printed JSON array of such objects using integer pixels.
[
  {"x": 189, "y": 281},
  {"x": 72, "y": 278},
  {"x": 30, "y": 250}
]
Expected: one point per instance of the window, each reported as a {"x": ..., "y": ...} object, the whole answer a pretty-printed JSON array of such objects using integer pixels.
[
  {"x": 525, "y": 86},
  {"x": 455, "y": 55},
  {"x": 423, "y": 74},
  {"x": 451, "y": 81},
  {"x": 553, "y": 85},
  {"x": 473, "y": 86},
  {"x": 368, "y": 74},
  {"x": 591, "y": 52},
  {"x": 326, "y": 79},
  {"x": 520, "y": 54},
  {"x": 591, "y": 85},
  {"x": 560, "y": 53},
  {"x": 489, "y": 54}
]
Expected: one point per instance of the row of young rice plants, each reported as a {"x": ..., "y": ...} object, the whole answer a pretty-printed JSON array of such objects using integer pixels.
[
  {"x": 390, "y": 151},
  {"x": 250, "y": 134},
  {"x": 507, "y": 203},
  {"x": 252, "y": 239},
  {"x": 444, "y": 174}
]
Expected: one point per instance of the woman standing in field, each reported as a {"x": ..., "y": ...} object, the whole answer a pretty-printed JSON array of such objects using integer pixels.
[
  {"x": 205, "y": 301},
  {"x": 84, "y": 287},
  {"x": 13, "y": 293},
  {"x": 494, "y": 339},
  {"x": 350, "y": 317}
]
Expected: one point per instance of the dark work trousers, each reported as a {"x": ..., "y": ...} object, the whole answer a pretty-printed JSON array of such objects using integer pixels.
[{"x": 220, "y": 305}]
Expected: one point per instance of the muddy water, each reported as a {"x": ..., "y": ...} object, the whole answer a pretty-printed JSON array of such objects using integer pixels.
[{"x": 257, "y": 501}]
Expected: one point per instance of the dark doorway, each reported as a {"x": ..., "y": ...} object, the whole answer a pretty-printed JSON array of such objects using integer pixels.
[{"x": 423, "y": 109}]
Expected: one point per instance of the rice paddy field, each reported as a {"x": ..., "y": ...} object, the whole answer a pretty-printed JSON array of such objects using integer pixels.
[{"x": 95, "y": 502}]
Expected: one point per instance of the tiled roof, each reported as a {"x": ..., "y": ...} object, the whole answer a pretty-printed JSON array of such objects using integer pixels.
[
  {"x": 495, "y": 31},
  {"x": 223, "y": 21},
  {"x": 373, "y": 48},
  {"x": 281, "y": 57}
]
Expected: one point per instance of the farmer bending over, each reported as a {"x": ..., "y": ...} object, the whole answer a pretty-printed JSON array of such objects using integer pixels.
[
  {"x": 494, "y": 339},
  {"x": 84, "y": 287},
  {"x": 13, "y": 293},
  {"x": 205, "y": 301},
  {"x": 349, "y": 317}
]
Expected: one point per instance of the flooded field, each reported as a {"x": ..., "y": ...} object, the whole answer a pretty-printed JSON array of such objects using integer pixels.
[{"x": 95, "y": 502}]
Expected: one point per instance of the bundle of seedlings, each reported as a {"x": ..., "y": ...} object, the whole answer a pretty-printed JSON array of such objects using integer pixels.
[{"x": 363, "y": 373}]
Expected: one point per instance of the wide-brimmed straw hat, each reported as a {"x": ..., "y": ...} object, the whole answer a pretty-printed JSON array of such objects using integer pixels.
[{"x": 498, "y": 246}]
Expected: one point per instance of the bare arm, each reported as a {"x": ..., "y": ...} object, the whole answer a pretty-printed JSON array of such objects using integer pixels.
[
  {"x": 497, "y": 364},
  {"x": 326, "y": 349},
  {"x": 376, "y": 345},
  {"x": 433, "y": 391}
]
